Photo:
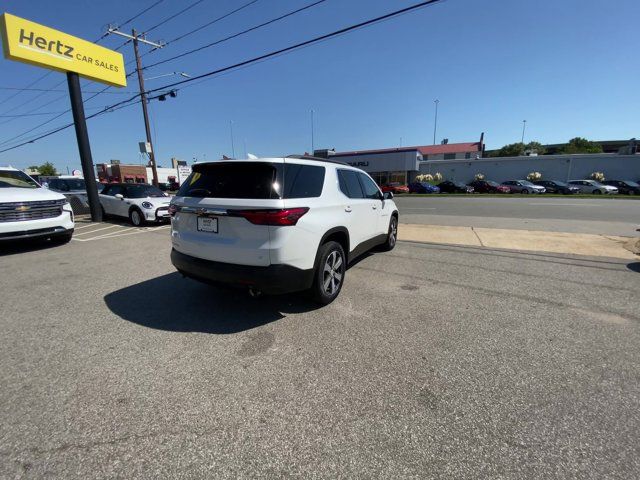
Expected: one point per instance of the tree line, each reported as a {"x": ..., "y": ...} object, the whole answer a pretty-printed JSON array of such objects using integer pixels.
[{"x": 575, "y": 145}]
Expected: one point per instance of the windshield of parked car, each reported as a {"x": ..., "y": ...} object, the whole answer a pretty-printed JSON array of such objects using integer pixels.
[
  {"x": 144, "y": 191},
  {"x": 527, "y": 183},
  {"x": 629, "y": 183},
  {"x": 558, "y": 183},
  {"x": 459, "y": 184},
  {"x": 72, "y": 184},
  {"x": 492, "y": 183},
  {"x": 15, "y": 178}
]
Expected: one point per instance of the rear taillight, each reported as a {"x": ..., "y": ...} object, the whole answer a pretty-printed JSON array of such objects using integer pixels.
[
  {"x": 172, "y": 210},
  {"x": 276, "y": 217}
]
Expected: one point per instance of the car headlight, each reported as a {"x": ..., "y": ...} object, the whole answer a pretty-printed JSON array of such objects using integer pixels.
[{"x": 147, "y": 205}]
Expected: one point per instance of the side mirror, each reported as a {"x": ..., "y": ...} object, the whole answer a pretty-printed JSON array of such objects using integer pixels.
[
  {"x": 387, "y": 195},
  {"x": 120, "y": 196}
]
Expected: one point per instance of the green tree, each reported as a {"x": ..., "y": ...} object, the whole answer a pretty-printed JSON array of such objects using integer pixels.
[
  {"x": 535, "y": 147},
  {"x": 47, "y": 168},
  {"x": 511, "y": 150},
  {"x": 581, "y": 145}
]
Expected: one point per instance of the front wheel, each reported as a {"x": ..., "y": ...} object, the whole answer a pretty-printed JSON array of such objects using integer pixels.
[
  {"x": 329, "y": 275},
  {"x": 136, "y": 218},
  {"x": 525, "y": 191},
  {"x": 597, "y": 192}
]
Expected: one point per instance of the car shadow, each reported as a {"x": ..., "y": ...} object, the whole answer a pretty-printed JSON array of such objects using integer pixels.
[
  {"x": 176, "y": 304},
  {"x": 634, "y": 267},
  {"x": 15, "y": 247}
]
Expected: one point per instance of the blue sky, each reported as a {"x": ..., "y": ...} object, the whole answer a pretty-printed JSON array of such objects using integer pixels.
[{"x": 566, "y": 66}]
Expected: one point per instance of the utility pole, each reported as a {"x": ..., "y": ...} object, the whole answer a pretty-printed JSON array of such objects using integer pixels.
[
  {"x": 524, "y": 126},
  {"x": 143, "y": 96},
  {"x": 435, "y": 122}
]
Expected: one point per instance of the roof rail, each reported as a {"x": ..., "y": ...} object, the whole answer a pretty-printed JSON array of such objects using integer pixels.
[{"x": 318, "y": 159}]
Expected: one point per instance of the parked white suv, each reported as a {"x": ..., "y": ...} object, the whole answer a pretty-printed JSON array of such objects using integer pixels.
[
  {"x": 278, "y": 225},
  {"x": 28, "y": 210}
]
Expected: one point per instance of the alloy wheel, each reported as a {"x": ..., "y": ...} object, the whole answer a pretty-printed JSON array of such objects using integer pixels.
[{"x": 333, "y": 272}]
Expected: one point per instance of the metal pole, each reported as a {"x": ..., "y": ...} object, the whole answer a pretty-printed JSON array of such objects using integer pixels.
[
  {"x": 82, "y": 135},
  {"x": 524, "y": 126},
  {"x": 312, "y": 139},
  {"x": 435, "y": 123},
  {"x": 233, "y": 148},
  {"x": 145, "y": 113}
]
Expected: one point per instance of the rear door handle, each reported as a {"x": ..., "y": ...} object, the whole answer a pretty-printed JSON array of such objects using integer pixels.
[{"x": 347, "y": 209}]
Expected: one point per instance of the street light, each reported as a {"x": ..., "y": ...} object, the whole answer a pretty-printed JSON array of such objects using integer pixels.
[
  {"x": 312, "y": 139},
  {"x": 524, "y": 126},
  {"x": 435, "y": 122},
  {"x": 181, "y": 74}
]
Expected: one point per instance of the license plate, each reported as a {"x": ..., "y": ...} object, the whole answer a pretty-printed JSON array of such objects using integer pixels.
[{"x": 208, "y": 224}]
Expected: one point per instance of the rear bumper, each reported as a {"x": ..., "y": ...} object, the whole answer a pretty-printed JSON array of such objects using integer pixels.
[{"x": 273, "y": 279}]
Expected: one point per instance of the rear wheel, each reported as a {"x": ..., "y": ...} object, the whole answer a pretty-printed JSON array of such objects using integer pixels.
[
  {"x": 392, "y": 235},
  {"x": 136, "y": 218},
  {"x": 329, "y": 275}
]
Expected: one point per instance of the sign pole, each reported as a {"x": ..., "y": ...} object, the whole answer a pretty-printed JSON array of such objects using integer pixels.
[{"x": 82, "y": 135}]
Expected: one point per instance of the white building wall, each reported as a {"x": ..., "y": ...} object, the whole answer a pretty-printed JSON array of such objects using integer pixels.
[
  {"x": 163, "y": 174},
  {"x": 552, "y": 167}
]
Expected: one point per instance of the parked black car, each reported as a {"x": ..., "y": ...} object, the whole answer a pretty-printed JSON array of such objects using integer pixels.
[
  {"x": 625, "y": 187},
  {"x": 454, "y": 187},
  {"x": 556, "y": 186}
]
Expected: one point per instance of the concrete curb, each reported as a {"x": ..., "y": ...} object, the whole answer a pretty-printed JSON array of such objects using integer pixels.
[{"x": 531, "y": 240}]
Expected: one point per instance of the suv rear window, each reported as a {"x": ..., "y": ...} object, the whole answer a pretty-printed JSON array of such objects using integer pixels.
[
  {"x": 254, "y": 180},
  {"x": 302, "y": 181}
]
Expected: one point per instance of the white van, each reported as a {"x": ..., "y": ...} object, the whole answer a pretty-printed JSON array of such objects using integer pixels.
[{"x": 28, "y": 210}]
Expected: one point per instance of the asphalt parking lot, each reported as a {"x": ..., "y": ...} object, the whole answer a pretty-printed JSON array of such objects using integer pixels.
[
  {"x": 435, "y": 362},
  {"x": 601, "y": 216}
]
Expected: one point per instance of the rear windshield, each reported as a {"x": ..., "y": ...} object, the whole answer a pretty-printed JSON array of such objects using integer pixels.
[{"x": 253, "y": 180}]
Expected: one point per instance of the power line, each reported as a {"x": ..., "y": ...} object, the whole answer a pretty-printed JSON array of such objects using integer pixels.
[
  {"x": 41, "y": 77},
  {"x": 260, "y": 58},
  {"x": 59, "y": 90},
  {"x": 191, "y": 32},
  {"x": 217, "y": 42},
  {"x": 126, "y": 22},
  {"x": 171, "y": 17},
  {"x": 306, "y": 43}
]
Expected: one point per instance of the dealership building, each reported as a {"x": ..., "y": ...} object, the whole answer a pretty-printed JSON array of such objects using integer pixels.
[
  {"x": 462, "y": 161},
  {"x": 404, "y": 163}
]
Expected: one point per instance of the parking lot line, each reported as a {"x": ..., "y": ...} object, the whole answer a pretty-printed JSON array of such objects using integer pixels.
[{"x": 99, "y": 229}]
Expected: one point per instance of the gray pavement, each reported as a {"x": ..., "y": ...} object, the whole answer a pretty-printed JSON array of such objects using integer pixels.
[
  {"x": 554, "y": 214},
  {"x": 435, "y": 362}
]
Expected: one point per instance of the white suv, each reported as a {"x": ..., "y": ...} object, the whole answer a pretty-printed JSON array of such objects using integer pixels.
[
  {"x": 28, "y": 210},
  {"x": 278, "y": 225}
]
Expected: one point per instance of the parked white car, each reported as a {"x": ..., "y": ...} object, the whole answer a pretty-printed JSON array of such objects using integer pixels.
[
  {"x": 278, "y": 225},
  {"x": 591, "y": 186},
  {"x": 28, "y": 210},
  {"x": 523, "y": 186},
  {"x": 139, "y": 202}
]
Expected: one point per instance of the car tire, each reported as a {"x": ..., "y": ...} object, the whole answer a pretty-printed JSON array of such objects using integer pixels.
[
  {"x": 136, "y": 217},
  {"x": 525, "y": 191},
  {"x": 329, "y": 278},
  {"x": 392, "y": 235},
  {"x": 597, "y": 192},
  {"x": 104, "y": 214}
]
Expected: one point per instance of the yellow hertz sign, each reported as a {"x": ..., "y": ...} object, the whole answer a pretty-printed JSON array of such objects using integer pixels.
[{"x": 36, "y": 44}]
